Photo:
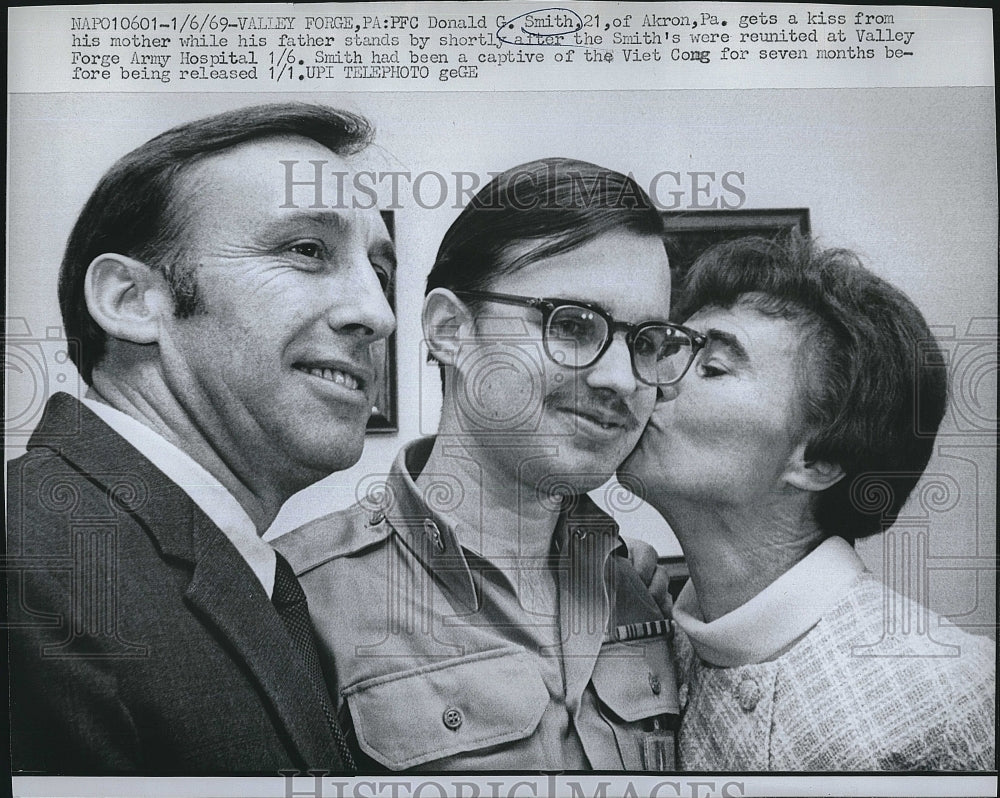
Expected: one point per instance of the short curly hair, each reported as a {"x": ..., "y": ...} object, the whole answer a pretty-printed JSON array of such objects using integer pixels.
[{"x": 872, "y": 379}]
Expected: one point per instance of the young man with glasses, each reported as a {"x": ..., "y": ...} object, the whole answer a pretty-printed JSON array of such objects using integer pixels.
[{"x": 496, "y": 622}]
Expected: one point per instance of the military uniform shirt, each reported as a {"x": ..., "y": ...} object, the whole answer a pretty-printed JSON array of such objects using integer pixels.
[{"x": 448, "y": 661}]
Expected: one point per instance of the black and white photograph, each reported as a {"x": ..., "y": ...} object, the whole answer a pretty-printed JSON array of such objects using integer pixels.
[{"x": 417, "y": 427}]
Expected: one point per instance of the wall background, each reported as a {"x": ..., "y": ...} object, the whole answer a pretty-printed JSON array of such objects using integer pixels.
[{"x": 907, "y": 178}]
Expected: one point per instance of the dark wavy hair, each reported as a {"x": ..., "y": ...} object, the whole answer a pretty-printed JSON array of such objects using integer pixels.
[
  {"x": 558, "y": 204},
  {"x": 871, "y": 377},
  {"x": 136, "y": 209}
]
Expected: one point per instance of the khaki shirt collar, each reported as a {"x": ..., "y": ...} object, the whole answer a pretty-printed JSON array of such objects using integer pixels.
[{"x": 432, "y": 538}]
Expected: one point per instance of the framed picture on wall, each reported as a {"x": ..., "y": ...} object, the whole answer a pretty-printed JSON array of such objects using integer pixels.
[
  {"x": 689, "y": 233},
  {"x": 384, "y": 417}
]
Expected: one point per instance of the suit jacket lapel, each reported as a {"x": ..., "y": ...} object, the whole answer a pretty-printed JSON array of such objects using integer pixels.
[
  {"x": 133, "y": 484},
  {"x": 223, "y": 589},
  {"x": 252, "y": 627}
]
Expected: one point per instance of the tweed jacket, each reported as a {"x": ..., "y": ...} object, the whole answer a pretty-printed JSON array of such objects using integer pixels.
[
  {"x": 140, "y": 640},
  {"x": 854, "y": 693},
  {"x": 442, "y": 662}
]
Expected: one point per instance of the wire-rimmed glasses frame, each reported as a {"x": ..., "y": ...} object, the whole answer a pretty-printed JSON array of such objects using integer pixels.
[{"x": 676, "y": 338}]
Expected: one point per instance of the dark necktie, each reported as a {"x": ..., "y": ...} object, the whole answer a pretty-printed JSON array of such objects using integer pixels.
[{"x": 290, "y": 602}]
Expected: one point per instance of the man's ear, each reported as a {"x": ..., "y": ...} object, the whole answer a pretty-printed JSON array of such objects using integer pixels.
[
  {"x": 126, "y": 297},
  {"x": 446, "y": 322},
  {"x": 811, "y": 475}
]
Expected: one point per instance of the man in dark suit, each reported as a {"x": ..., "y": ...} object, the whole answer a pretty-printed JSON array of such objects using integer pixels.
[{"x": 225, "y": 334}]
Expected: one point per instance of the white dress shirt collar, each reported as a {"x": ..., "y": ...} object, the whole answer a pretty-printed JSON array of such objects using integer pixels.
[
  {"x": 770, "y": 622},
  {"x": 205, "y": 490}
]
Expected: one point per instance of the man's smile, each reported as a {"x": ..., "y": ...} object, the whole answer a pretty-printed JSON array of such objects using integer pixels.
[{"x": 347, "y": 376}]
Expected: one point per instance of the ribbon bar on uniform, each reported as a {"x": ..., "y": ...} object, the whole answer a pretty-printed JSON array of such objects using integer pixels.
[{"x": 638, "y": 631}]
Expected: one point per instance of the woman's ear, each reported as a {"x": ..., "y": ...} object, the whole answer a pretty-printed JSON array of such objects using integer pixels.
[
  {"x": 446, "y": 323},
  {"x": 126, "y": 297},
  {"x": 811, "y": 475}
]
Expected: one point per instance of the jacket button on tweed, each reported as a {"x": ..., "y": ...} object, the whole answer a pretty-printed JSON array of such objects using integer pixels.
[
  {"x": 682, "y": 695},
  {"x": 748, "y": 694},
  {"x": 435, "y": 534}
]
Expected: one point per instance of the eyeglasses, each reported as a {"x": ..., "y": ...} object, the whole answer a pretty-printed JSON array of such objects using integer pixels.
[{"x": 577, "y": 334}]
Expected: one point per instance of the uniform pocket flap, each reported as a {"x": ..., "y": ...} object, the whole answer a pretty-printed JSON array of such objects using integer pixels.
[
  {"x": 635, "y": 680},
  {"x": 405, "y": 719}
]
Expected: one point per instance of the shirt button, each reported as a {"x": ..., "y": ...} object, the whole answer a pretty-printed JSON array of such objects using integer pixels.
[
  {"x": 435, "y": 534},
  {"x": 452, "y": 718},
  {"x": 748, "y": 694},
  {"x": 654, "y": 683},
  {"x": 682, "y": 695}
]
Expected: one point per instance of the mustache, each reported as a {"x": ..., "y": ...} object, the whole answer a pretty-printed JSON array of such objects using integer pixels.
[{"x": 601, "y": 403}]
